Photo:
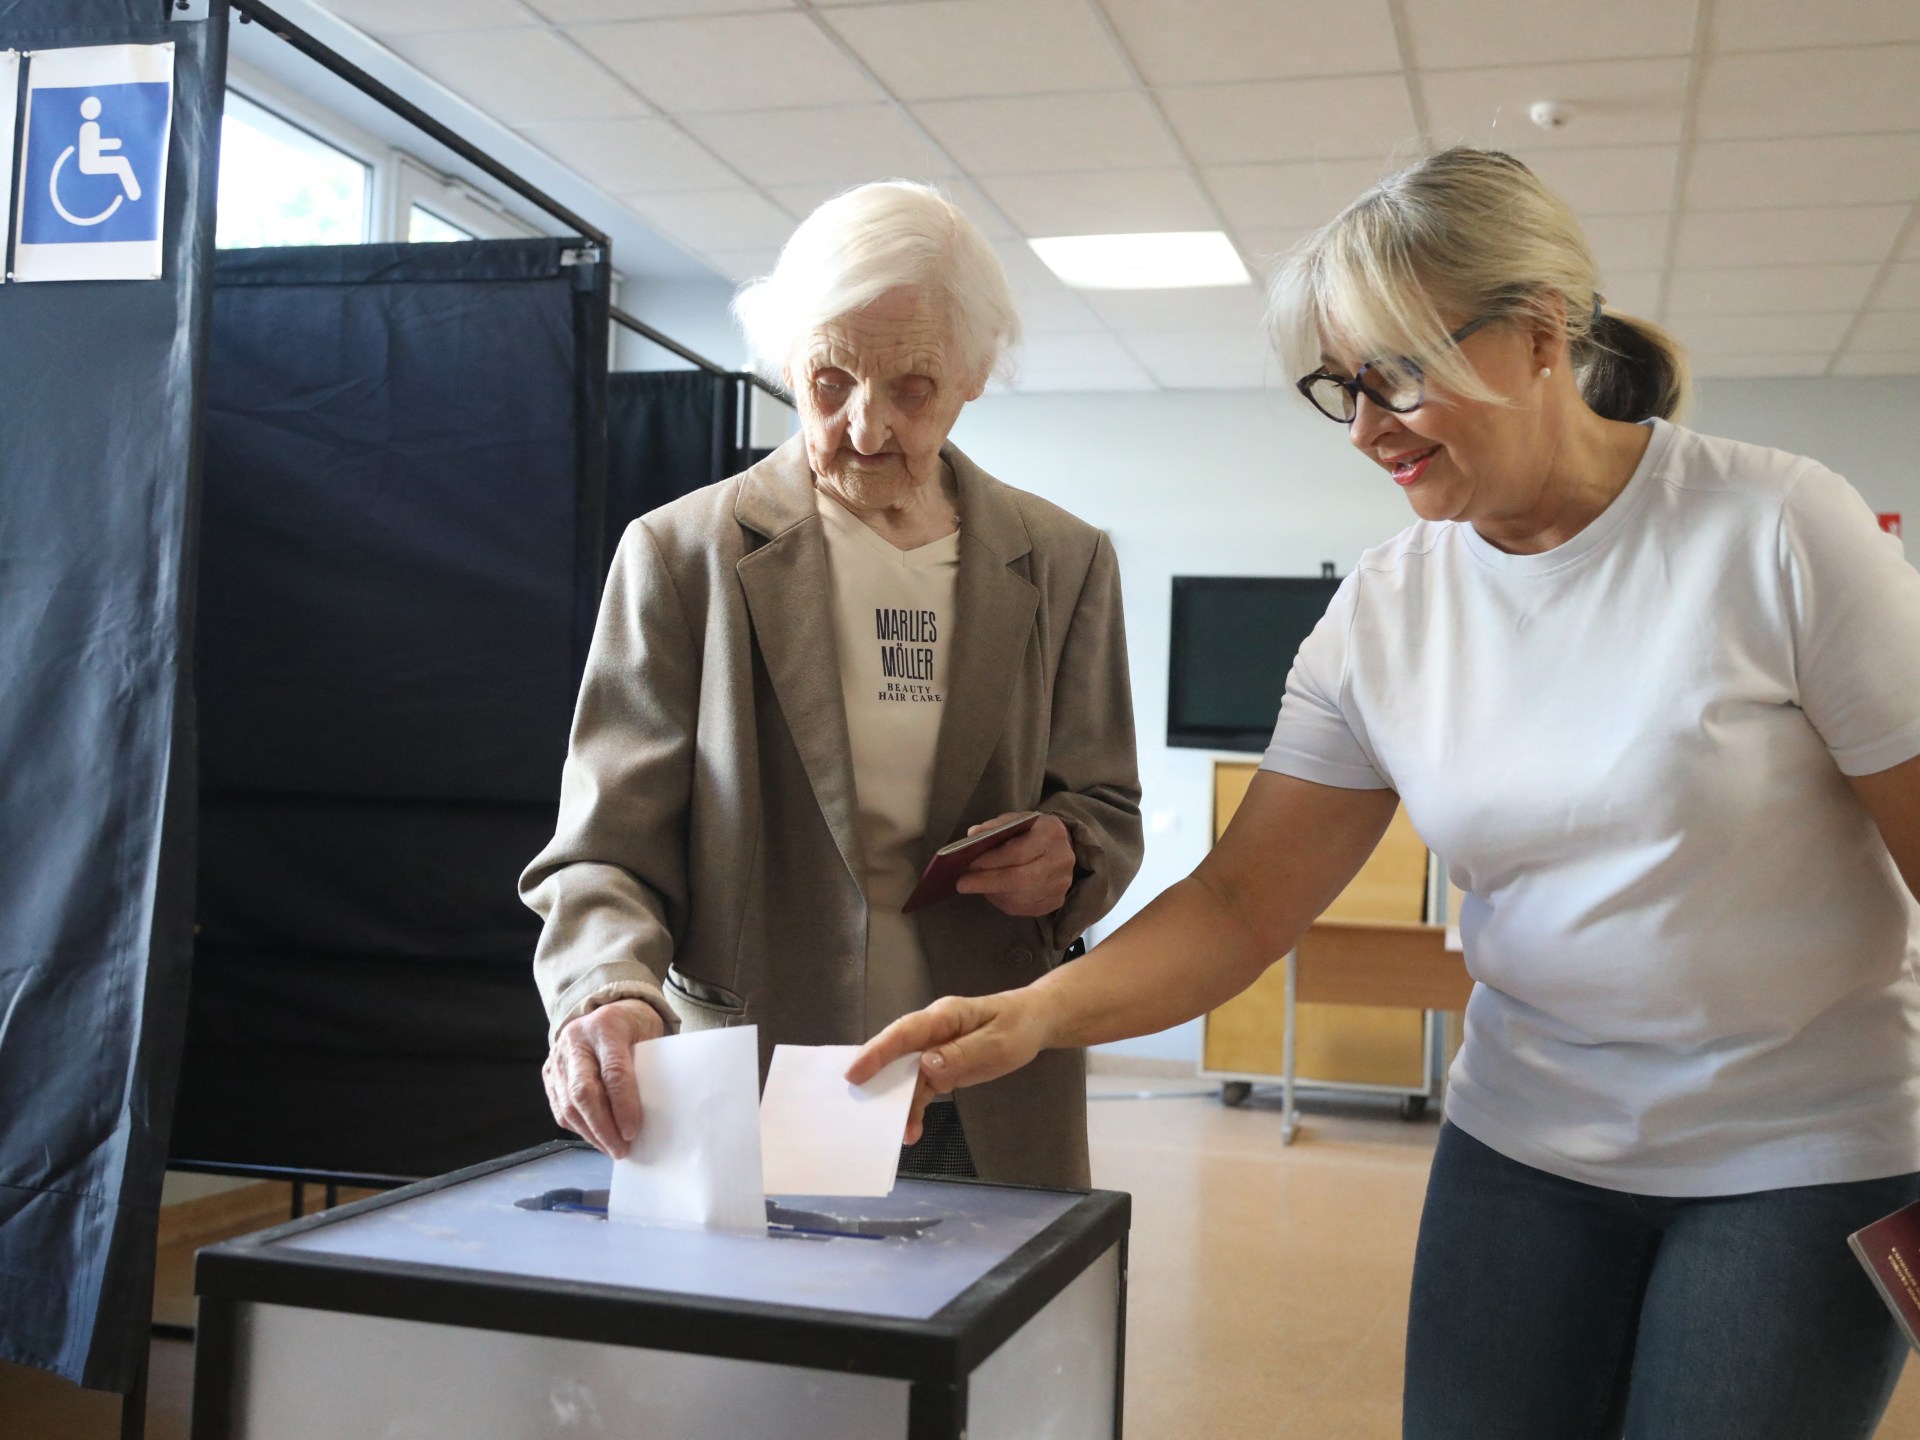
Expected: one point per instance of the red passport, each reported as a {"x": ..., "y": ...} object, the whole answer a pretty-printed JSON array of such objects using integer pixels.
[
  {"x": 950, "y": 862},
  {"x": 1890, "y": 1249}
]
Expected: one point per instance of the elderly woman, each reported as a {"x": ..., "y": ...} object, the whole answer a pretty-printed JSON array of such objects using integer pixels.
[
  {"x": 809, "y": 677},
  {"x": 1656, "y": 698}
]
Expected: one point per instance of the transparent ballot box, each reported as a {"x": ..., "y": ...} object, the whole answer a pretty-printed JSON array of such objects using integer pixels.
[{"x": 499, "y": 1303}]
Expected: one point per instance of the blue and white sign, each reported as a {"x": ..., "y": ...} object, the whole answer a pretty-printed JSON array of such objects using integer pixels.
[{"x": 93, "y": 168}]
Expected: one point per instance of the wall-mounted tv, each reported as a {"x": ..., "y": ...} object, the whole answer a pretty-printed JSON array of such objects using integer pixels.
[{"x": 1233, "y": 641}]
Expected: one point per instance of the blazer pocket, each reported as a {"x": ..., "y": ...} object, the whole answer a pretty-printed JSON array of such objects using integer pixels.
[{"x": 699, "y": 1005}]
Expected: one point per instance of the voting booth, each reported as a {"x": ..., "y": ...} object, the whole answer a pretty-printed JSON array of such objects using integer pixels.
[{"x": 500, "y": 1302}]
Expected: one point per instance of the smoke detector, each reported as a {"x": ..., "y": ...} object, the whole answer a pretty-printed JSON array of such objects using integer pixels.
[{"x": 1549, "y": 114}]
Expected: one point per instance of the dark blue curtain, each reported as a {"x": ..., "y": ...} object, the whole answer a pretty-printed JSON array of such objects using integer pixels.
[
  {"x": 669, "y": 432},
  {"x": 98, "y": 465},
  {"x": 402, "y": 540}
]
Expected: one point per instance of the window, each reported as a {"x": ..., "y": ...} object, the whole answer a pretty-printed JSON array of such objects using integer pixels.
[
  {"x": 425, "y": 226},
  {"x": 280, "y": 185}
]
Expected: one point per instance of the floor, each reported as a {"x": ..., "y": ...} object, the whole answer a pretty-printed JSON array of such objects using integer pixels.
[{"x": 1268, "y": 1285}]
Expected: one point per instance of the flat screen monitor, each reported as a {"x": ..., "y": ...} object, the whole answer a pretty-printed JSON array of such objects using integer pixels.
[{"x": 1233, "y": 641}]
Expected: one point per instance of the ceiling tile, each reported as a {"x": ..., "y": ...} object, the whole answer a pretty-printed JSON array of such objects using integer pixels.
[
  {"x": 1112, "y": 130},
  {"x": 1632, "y": 292},
  {"x": 951, "y": 48},
  {"x": 626, "y": 157},
  {"x": 1788, "y": 237},
  {"x": 1077, "y": 362},
  {"x": 847, "y": 142},
  {"x": 729, "y": 62},
  {"x": 1859, "y": 90},
  {"x": 1123, "y": 375},
  {"x": 1102, "y": 202},
  {"x": 1238, "y": 310},
  {"x": 1840, "y": 170},
  {"x": 1757, "y": 367},
  {"x": 1060, "y": 312},
  {"x": 711, "y": 220},
  {"x": 1204, "y": 360},
  {"x": 414, "y": 17},
  {"x": 1882, "y": 330},
  {"x": 1897, "y": 362},
  {"x": 1769, "y": 289},
  {"x": 1761, "y": 334},
  {"x": 1610, "y": 180},
  {"x": 1627, "y": 242},
  {"x": 1792, "y": 24},
  {"x": 1901, "y": 290},
  {"x": 1177, "y": 42},
  {"x": 568, "y": 12},
  {"x": 1360, "y": 117},
  {"x": 1910, "y": 246},
  {"x": 1026, "y": 272},
  {"x": 1613, "y": 102},
  {"x": 1264, "y": 249},
  {"x": 520, "y": 77},
  {"x": 1458, "y": 34},
  {"x": 1301, "y": 195}
]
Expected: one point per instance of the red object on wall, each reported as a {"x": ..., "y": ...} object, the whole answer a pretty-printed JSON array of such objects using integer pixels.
[{"x": 1890, "y": 521}]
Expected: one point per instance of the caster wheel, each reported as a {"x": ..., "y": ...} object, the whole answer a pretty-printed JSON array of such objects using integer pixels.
[
  {"x": 1235, "y": 1092},
  {"x": 1412, "y": 1107}
]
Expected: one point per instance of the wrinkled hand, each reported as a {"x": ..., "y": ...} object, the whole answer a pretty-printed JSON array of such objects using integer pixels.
[
  {"x": 962, "y": 1040},
  {"x": 589, "y": 1073},
  {"x": 1028, "y": 875}
]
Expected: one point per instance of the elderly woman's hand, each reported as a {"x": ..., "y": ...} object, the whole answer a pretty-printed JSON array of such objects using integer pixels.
[
  {"x": 1029, "y": 875},
  {"x": 591, "y": 1087}
]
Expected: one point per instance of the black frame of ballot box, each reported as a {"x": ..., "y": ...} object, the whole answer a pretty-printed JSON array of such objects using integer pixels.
[{"x": 936, "y": 1356}]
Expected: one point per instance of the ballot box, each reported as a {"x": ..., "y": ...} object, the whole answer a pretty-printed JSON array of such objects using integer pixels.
[{"x": 499, "y": 1303}]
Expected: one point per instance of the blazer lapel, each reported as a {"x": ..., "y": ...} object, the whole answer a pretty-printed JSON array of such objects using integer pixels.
[
  {"x": 790, "y": 602},
  {"x": 994, "y": 608}
]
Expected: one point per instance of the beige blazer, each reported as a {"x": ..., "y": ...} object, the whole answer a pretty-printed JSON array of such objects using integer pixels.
[{"x": 707, "y": 813}]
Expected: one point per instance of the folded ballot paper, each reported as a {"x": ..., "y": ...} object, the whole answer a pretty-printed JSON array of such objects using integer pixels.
[{"x": 711, "y": 1149}]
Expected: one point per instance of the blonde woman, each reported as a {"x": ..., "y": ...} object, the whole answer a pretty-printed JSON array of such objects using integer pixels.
[{"x": 1656, "y": 697}]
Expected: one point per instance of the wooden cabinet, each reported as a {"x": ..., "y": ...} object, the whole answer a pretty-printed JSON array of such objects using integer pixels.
[{"x": 1367, "y": 978}]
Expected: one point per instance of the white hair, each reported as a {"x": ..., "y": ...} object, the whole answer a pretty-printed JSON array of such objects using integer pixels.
[{"x": 863, "y": 243}]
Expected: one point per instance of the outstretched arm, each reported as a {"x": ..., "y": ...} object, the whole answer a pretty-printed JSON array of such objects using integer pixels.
[{"x": 1292, "y": 847}]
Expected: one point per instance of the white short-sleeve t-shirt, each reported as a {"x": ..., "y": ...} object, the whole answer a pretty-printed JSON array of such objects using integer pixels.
[
  {"x": 893, "y": 627},
  {"x": 1694, "y": 956}
]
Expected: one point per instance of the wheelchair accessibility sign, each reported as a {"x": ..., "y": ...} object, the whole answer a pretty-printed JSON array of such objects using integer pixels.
[{"x": 93, "y": 163}]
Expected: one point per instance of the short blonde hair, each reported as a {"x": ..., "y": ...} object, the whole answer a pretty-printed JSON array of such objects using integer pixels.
[
  {"x": 1453, "y": 237},
  {"x": 864, "y": 242}
]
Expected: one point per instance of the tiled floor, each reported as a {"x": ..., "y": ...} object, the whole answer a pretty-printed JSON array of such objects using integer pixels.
[{"x": 1268, "y": 1289}]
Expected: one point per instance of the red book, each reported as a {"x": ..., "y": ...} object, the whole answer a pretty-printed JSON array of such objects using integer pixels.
[{"x": 1890, "y": 1249}]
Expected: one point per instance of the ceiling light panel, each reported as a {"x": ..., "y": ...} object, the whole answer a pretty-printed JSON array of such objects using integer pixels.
[
  {"x": 729, "y": 62},
  {"x": 1350, "y": 119},
  {"x": 1464, "y": 34},
  {"x": 521, "y": 77},
  {"x": 1111, "y": 130},
  {"x": 951, "y": 48},
  {"x": 1209, "y": 41},
  {"x": 1614, "y": 102},
  {"x": 1172, "y": 260}
]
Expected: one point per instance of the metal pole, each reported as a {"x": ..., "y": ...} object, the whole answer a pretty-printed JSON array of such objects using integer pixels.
[
  {"x": 1288, "y": 1124},
  {"x": 322, "y": 55},
  {"x": 692, "y": 357}
]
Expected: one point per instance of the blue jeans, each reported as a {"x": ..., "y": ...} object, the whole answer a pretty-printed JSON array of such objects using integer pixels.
[{"x": 1544, "y": 1309}]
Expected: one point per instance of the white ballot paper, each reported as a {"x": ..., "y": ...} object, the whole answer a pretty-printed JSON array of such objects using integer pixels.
[
  {"x": 696, "y": 1161},
  {"x": 821, "y": 1136}
]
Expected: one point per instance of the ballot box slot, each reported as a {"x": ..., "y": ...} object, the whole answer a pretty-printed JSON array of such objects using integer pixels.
[{"x": 782, "y": 1220}]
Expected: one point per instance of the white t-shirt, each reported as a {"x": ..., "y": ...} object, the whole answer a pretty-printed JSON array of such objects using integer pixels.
[
  {"x": 893, "y": 614},
  {"x": 1695, "y": 956}
]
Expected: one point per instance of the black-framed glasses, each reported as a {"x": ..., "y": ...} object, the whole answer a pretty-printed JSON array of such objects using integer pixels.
[{"x": 1399, "y": 386}]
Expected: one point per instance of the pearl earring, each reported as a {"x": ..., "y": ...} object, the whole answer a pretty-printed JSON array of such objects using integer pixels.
[{"x": 1546, "y": 372}]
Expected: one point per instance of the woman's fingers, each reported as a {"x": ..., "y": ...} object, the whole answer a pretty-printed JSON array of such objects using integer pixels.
[
  {"x": 920, "y": 1031},
  {"x": 589, "y": 1115},
  {"x": 923, "y": 1096}
]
